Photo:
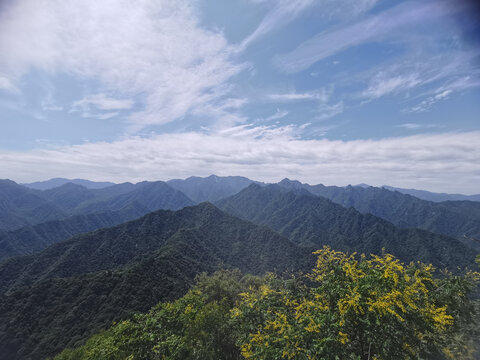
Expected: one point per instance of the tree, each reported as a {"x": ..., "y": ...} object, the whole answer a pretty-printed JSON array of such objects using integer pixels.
[
  {"x": 347, "y": 307},
  {"x": 357, "y": 308}
]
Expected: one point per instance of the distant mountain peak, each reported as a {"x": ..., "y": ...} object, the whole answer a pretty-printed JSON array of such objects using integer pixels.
[
  {"x": 290, "y": 183},
  {"x": 211, "y": 188},
  {"x": 362, "y": 185},
  {"x": 56, "y": 182}
]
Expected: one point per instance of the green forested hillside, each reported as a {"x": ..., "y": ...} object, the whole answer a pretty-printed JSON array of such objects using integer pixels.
[
  {"x": 60, "y": 296},
  {"x": 112, "y": 247},
  {"x": 106, "y": 275},
  {"x": 37, "y": 219},
  {"x": 314, "y": 221},
  {"x": 20, "y": 206},
  {"x": 460, "y": 219},
  {"x": 348, "y": 307},
  {"x": 30, "y": 239},
  {"x": 152, "y": 195},
  {"x": 69, "y": 195}
]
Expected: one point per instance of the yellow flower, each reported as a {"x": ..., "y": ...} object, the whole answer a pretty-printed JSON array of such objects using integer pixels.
[{"x": 343, "y": 337}]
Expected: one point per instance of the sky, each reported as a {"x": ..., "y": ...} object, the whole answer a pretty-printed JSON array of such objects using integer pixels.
[{"x": 334, "y": 91}]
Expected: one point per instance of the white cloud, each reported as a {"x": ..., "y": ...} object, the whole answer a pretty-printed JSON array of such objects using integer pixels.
[
  {"x": 277, "y": 115},
  {"x": 460, "y": 82},
  {"x": 7, "y": 85},
  {"x": 320, "y": 95},
  {"x": 415, "y": 126},
  {"x": 420, "y": 75},
  {"x": 383, "y": 84},
  {"x": 427, "y": 104},
  {"x": 439, "y": 162},
  {"x": 102, "y": 102},
  {"x": 282, "y": 12},
  {"x": 100, "y": 116},
  {"x": 375, "y": 27},
  {"x": 51, "y": 107},
  {"x": 154, "y": 50},
  {"x": 326, "y": 111}
]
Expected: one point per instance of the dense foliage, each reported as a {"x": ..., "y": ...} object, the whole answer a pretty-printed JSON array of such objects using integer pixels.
[
  {"x": 459, "y": 219},
  {"x": 30, "y": 239},
  {"x": 313, "y": 221},
  {"x": 376, "y": 308},
  {"x": 58, "y": 297},
  {"x": 347, "y": 307}
]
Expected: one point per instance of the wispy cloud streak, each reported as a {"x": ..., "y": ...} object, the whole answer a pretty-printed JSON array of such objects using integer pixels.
[{"x": 375, "y": 27}]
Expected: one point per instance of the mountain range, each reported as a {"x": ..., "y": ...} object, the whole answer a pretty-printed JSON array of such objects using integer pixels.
[
  {"x": 73, "y": 259},
  {"x": 312, "y": 221},
  {"x": 431, "y": 196},
  {"x": 56, "y": 182},
  {"x": 74, "y": 288},
  {"x": 459, "y": 219},
  {"x": 211, "y": 188}
]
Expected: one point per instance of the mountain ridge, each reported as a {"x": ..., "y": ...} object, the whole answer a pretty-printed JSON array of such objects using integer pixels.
[
  {"x": 55, "y": 182},
  {"x": 109, "y": 274},
  {"x": 459, "y": 219},
  {"x": 313, "y": 221}
]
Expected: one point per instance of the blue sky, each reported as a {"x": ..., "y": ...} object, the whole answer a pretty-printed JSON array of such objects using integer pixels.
[{"x": 333, "y": 91}]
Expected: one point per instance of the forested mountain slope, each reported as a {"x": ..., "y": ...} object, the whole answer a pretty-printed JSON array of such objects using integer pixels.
[
  {"x": 460, "y": 219},
  {"x": 152, "y": 195},
  {"x": 20, "y": 206},
  {"x": 106, "y": 275},
  {"x": 314, "y": 221},
  {"x": 30, "y": 239},
  {"x": 34, "y": 219}
]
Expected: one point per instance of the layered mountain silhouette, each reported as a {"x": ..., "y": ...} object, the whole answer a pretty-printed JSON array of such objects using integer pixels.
[
  {"x": 56, "y": 182},
  {"x": 30, "y": 239},
  {"x": 431, "y": 196},
  {"x": 20, "y": 206},
  {"x": 313, "y": 221},
  {"x": 211, "y": 188},
  {"x": 32, "y": 207},
  {"x": 459, "y": 219},
  {"x": 91, "y": 256},
  {"x": 106, "y": 275}
]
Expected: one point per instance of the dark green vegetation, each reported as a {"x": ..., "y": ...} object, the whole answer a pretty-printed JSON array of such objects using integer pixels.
[
  {"x": 20, "y": 206},
  {"x": 345, "y": 308},
  {"x": 312, "y": 221},
  {"x": 30, "y": 239},
  {"x": 78, "y": 285},
  {"x": 33, "y": 219},
  {"x": 60, "y": 296},
  {"x": 460, "y": 219},
  {"x": 152, "y": 195},
  {"x": 211, "y": 188}
]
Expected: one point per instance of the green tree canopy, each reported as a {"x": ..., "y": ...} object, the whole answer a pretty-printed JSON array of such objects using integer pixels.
[{"x": 347, "y": 307}]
